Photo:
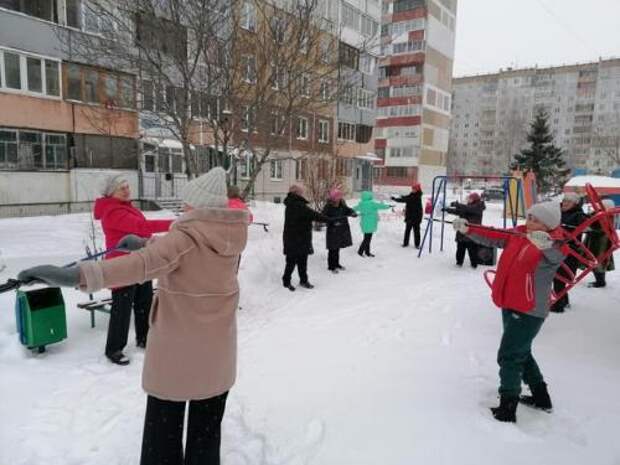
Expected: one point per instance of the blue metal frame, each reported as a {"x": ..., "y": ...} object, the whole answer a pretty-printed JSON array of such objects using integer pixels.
[{"x": 440, "y": 185}]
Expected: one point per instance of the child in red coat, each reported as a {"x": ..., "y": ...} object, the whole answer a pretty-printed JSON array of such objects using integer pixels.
[{"x": 522, "y": 289}]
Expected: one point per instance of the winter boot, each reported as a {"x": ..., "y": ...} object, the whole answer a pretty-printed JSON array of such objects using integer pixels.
[
  {"x": 340, "y": 267},
  {"x": 306, "y": 285},
  {"x": 118, "y": 358},
  {"x": 507, "y": 409},
  {"x": 288, "y": 285},
  {"x": 368, "y": 254},
  {"x": 599, "y": 280},
  {"x": 539, "y": 399}
]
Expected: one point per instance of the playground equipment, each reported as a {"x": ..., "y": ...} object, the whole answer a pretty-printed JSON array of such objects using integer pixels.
[
  {"x": 587, "y": 260},
  {"x": 513, "y": 203}
]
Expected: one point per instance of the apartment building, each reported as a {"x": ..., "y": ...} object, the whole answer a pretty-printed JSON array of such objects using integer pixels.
[
  {"x": 61, "y": 121},
  {"x": 414, "y": 90},
  {"x": 492, "y": 114}
]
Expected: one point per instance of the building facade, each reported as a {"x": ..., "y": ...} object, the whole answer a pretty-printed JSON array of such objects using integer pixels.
[
  {"x": 492, "y": 114},
  {"x": 66, "y": 121},
  {"x": 414, "y": 90},
  {"x": 58, "y": 130}
]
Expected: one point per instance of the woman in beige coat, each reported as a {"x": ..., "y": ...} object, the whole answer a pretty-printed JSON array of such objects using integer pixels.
[{"x": 191, "y": 349}]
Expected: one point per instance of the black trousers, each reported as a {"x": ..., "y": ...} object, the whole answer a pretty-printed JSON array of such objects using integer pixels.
[
  {"x": 162, "y": 440},
  {"x": 472, "y": 249},
  {"x": 559, "y": 286},
  {"x": 139, "y": 297},
  {"x": 365, "y": 245},
  {"x": 299, "y": 261},
  {"x": 333, "y": 259},
  {"x": 416, "y": 234}
]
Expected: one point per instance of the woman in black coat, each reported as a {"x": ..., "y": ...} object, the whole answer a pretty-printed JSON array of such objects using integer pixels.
[
  {"x": 413, "y": 214},
  {"x": 472, "y": 212},
  {"x": 297, "y": 236},
  {"x": 338, "y": 234}
]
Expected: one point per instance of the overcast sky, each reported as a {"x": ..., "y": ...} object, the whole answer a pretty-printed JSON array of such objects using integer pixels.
[{"x": 493, "y": 34}]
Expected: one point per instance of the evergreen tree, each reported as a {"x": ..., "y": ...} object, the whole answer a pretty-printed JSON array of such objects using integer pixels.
[{"x": 543, "y": 157}]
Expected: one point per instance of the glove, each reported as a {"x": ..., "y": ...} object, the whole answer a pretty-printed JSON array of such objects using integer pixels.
[
  {"x": 51, "y": 275},
  {"x": 460, "y": 225},
  {"x": 130, "y": 243},
  {"x": 354, "y": 215},
  {"x": 540, "y": 239}
]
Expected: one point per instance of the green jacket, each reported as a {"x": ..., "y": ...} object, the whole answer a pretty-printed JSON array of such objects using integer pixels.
[{"x": 368, "y": 211}]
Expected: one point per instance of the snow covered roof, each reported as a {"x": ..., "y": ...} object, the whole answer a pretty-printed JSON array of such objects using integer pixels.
[{"x": 596, "y": 181}]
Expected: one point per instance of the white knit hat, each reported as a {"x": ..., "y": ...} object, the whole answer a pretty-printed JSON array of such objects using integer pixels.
[
  {"x": 572, "y": 197},
  {"x": 112, "y": 183},
  {"x": 208, "y": 190},
  {"x": 548, "y": 213}
]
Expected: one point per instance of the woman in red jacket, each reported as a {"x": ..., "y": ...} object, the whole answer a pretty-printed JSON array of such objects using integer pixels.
[
  {"x": 522, "y": 289},
  {"x": 119, "y": 218}
]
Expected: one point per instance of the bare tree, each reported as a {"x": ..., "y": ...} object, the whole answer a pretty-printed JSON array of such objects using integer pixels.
[
  {"x": 285, "y": 82},
  {"x": 164, "y": 43},
  {"x": 511, "y": 137}
]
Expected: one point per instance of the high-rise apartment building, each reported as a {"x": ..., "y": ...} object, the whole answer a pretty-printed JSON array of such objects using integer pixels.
[
  {"x": 492, "y": 113},
  {"x": 414, "y": 90}
]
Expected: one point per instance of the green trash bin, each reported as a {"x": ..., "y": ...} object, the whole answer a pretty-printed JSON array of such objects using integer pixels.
[{"x": 40, "y": 317}]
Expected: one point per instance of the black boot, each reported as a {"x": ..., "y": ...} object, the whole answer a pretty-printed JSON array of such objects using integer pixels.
[
  {"x": 539, "y": 399},
  {"x": 507, "y": 410},
  {"x": 307, "y": 285},
  {"x": 599, "y": 280},
  {"x": 288, "y": 285},
  {"x": 118, "y": 358}
]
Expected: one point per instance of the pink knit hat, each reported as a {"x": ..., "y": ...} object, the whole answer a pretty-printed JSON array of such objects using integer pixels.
[{"x": 335, "y": 194}]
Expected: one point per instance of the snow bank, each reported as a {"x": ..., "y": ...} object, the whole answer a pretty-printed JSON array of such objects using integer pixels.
[{"x": 390, "y": 362}]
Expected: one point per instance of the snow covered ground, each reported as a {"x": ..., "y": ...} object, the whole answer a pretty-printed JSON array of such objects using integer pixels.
[{"x": 391, "y": 362}]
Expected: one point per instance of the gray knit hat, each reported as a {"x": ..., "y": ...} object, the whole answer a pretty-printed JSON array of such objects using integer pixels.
[
  {"x": 548, "y": 213},
  {"x": 112, "y": 183},
  {"x": 208, "y": 190},
  {"x": 608, "y": 204},
  {"x": 572, "y": 197}
]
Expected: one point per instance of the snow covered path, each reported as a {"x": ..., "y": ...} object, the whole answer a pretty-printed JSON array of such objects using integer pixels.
[{"x": 390, "y": 362}]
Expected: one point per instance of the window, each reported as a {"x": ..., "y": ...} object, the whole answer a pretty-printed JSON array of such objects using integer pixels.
[
  {"x": 34, "y": 74},
  {"x": 248, "y": 120},
  {"x": 8, "y": 149},
  {"x": 43, "y": 9},
  {"x": 348, "y": 95},
  {"x": 302, "y": 128},
  {"x": 148, "y": 103},
  {"x": 367, "y": 64},
  {"x": 277, "y": 30},
  {"x": 163, "y": 35},
  {"x": 29, "y": 74},
  {"x": 245, "y": 167},
  {"x": 305, "y": 85},
  {"x": 91, "y": 81},
  {"x": 31, "y": 149},
  {"x": 276, "y": 170},
  {"x": 365, "y": 99},
  {"x": 99, "y": 86},
  {"x": 323, "y": 131},
  {"x": 12, "y": 71},
  {"x": 52, "y": 79},
  {"x": 55, "y": 151},
  {"x": 110, "y": 89},
  {"x": 248, "y": 16},
  {"x": 369, "y": 27},
  {"x": 249, "y": 68},
  {"x": 349, "y": 56},
  {"x": 74, "y": 82},
  {"x": 350, "y": 17},
  {"x": 326, "y": 50},
  {"x": 74, "y": 13},
  {"x": 346, "y": 131},
  {"x": 324, "y": 90}
]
